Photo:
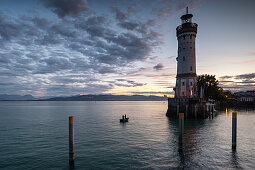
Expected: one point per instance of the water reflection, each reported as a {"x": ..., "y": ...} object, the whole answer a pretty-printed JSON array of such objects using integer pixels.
[
  {"x": 235, "y": 160},
  {"x": 191, "y": 140},
  {"x": 71, "y": 167}
]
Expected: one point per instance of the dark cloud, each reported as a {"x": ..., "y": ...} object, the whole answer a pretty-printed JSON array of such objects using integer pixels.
[
  {"x": 159, "y": 66},
  {"x": 226, "y": 77},
  {"x": 119, "y": 15},
  {"x": 128, "y": 25},
  {"x": 246, "y": 76},
  {"x": 242, "y": 82},
  {"x": 66, "y": 7},
  {"x": 35, "y": 51},
  {"x": 8, "y": 28},
  {"x": 246, "y": 82},
  {"x": 128, "y": 83},
  {"x": 70, "y": 79},
  {"x": 154, "y": 92},
  {"x": 226, "y": 81}
]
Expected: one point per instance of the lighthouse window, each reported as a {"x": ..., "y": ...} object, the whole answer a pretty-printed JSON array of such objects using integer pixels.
[
  {"x": 190, "y": 68},
  {"x": 183, "y": 58},
  {"x": 183, "y": 83}
]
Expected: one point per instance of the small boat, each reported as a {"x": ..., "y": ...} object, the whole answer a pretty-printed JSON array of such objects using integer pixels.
[{"x": 124, "y": 120}]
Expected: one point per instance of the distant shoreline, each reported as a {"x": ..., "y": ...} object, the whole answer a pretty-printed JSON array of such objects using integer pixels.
[
  {"x": 92, "y": 98},
  {"x": 78, "y": 100},
  {"x": 236, "y": 105}
]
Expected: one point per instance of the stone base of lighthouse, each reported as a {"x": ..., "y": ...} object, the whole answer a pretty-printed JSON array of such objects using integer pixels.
[{"x": 192, "y": 108}]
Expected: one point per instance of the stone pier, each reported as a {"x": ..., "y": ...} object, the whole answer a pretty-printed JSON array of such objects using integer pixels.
[{"x": 192, "y": 108}]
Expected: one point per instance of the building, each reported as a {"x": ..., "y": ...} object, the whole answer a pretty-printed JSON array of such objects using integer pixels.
[
  {"x": 248, "y": 96},
  {"x": 186, "y": 61},
  {"x": 186, "y": 98}
]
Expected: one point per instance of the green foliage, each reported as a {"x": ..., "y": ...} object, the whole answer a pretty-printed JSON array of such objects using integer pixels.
[
  {"x": 211, "y": 88},
  {"x": 210, "y": 85}
]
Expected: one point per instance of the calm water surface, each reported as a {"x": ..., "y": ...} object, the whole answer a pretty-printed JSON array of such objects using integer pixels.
[{"x": 34, "y": 135}]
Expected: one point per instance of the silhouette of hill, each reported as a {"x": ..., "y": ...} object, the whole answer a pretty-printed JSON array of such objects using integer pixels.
[
  {"x": 16, "y": 97},
  {"x": 108, "y": 98}
]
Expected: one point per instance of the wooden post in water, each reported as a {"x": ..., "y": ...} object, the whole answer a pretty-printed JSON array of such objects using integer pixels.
[
  {"x": 195, "y": 110},
  {"x": 178, "y": 109},
  {"x": 186, "y": 113},
  {"x": 181, "y": 131},
  {"x": 234, "y": 125},
  {"x": 71, "y": 140},
  {"x": 212, "y": 110},
  {"x": 204, "y": 110}
]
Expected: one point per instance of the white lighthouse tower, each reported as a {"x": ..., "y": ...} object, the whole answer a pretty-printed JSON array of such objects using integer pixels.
[
  {"x": 186, "y": 78},
  {"x": 186, "y": 98}
]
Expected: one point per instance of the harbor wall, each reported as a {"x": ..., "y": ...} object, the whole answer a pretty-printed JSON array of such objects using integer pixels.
[{"x": 192, "y": 108}]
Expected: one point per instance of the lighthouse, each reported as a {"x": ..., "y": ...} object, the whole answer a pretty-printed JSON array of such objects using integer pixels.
[
  {"x": 186, "y": 78},
  {"x": 186, "y": 99}
]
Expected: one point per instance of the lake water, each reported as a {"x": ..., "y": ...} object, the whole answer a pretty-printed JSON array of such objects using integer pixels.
[{"x": 34, "y": 135}]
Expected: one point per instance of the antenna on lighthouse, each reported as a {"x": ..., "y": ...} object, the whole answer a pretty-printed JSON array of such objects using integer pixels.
[{"x": 187, "y": 10}]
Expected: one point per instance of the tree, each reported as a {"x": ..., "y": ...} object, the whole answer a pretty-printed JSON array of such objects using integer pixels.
[
  {"x": 210, "y": 86},
  {"x": 212, "y": 90}
]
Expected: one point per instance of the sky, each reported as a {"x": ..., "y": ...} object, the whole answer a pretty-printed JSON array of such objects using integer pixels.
[{"x": 70, "y": 47}]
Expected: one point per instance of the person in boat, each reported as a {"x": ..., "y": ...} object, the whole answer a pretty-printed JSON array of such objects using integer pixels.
[{"x": 125, "y": 116}]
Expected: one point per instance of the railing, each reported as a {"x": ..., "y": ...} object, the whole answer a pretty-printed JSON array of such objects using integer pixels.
[{"x": 185, "y": 25}]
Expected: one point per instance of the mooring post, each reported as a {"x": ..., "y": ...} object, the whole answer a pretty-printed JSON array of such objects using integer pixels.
[
  {"x": 195, "y": 109},
  {"x": 212, "y": 110},
  {"x": 178, "y": 109},
  {"x": 181, "y": 131},
  {"x": 71, "y": 140},
  {"x": 234, "y": 125},
  {"x": 204, "y": 110},
  {"x": 186, "y": 113}
]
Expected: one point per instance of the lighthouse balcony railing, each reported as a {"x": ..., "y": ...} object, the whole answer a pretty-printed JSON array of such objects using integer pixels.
[{"x": 185, "y": 25}]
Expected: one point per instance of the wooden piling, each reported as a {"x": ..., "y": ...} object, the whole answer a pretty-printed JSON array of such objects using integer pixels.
[
  {"x": 212, "y": 111},
  {"x": 234, "y": 129},
  {"x": 181, "y": 131},
  {"x": 187, "y": 110},
  {"x": 204, "y": 110},
  {"x": 178, "y": 109},
  {"x": 71, "y": 140},
  {"x": 195, "y": 110}
]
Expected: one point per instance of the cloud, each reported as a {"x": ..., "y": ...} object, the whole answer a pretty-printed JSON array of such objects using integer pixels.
[
  {"x": 128, "y": 83},
  {"x": 128, "y": 25},
  {"x": 8, "y": 28},
  {"x": 246, "y": 76},
  {"x": 165, "y": 9},
  {"x": 66, "y": 7},
  {"x": 154, "y": 92},
  {"x": 242, "y": 82},
  {"x": 158, "y": 67},
  {"x": 226, "y": 77},
  {"x": 119, "y": 15},
  {"x": 41, "y": 56}
]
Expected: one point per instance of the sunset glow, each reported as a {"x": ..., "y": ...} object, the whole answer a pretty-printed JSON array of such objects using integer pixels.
[{"x": 120, "y": 47}]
